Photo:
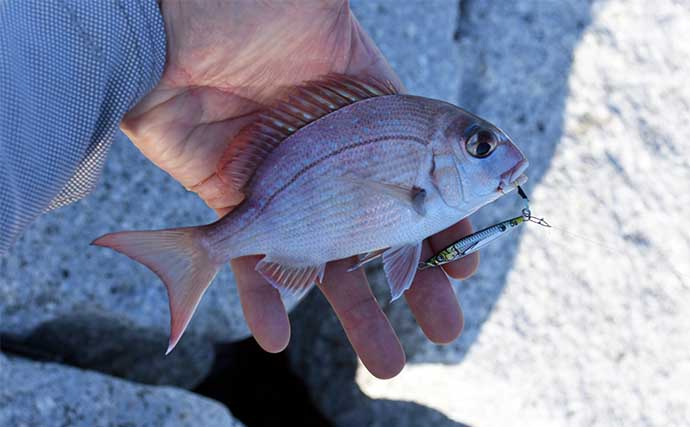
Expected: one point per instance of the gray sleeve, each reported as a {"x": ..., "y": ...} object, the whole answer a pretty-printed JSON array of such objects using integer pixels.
[{"x": 69, "y": 71}]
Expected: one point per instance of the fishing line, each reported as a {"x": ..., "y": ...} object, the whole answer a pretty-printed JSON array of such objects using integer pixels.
[
  {"x": 589, "y": 240},
  {"x": 481, "y": 238},
  {"x": 663, "y": 257},
  {"x": 611, "y": 249}
]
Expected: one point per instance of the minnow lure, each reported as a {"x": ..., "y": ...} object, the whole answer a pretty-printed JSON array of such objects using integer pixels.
[{"x": 481, "y": 238}]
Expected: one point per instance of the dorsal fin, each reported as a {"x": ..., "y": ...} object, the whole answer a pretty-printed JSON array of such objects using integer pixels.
[{"x": 297, "y": 108}]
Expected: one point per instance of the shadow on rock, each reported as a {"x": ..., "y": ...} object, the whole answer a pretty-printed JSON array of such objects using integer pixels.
[
  {"x": 260, "y": 388},
  {"x": 516, "y": 63},
  {"x": 321, "y": 355},
  {"x": 116, "y": 347}
]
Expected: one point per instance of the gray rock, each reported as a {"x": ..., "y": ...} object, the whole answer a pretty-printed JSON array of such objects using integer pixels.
[
  {"x": 570, "y": 332},
  {"x": 417, "y": 39},
  {"x": 51, "y": 395},
  {"x": 578, "y": 325},
  {"x": 86, "y": 340}
]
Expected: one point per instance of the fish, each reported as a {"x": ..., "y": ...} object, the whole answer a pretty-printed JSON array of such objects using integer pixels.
[{"x": 339, "y": 166}]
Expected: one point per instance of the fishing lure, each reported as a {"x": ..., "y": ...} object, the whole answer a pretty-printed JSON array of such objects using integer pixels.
[{"x": 481, "y": 238}]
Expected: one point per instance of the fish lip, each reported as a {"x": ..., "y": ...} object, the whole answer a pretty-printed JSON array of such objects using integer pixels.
[{"x": 513, "y": 177}]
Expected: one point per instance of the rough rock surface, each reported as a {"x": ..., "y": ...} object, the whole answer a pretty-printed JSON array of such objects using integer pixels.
[
  {"x": 54, "y": 280},
  {"x": 51, "y": 395},
  {"x": 583, "y": 324}
]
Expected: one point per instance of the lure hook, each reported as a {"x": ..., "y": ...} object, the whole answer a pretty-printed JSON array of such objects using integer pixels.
[{"x": 540, "y": 221}]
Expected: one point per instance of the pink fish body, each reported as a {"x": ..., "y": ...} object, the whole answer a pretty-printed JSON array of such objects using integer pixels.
[{"x": 343, "y": 167}]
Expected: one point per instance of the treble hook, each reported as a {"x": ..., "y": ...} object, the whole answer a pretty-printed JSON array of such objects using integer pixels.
[{"x": 539, "y": 221}]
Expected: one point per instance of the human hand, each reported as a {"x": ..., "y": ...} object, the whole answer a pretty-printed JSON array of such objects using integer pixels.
[{"x": 227, "y": 60}]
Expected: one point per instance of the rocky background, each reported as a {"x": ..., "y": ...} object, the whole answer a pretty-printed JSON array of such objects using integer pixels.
[{"x": 585, "y": 324}]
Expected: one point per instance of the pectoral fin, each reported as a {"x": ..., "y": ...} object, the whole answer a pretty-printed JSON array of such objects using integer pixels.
[
  {"x": 400, "y": 265},
  {"x": 412, "y": 198},
  {"x": 292, "y": 280}
]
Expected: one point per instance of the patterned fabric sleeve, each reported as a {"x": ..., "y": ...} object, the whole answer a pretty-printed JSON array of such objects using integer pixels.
[{"x": 69, "y": 70}]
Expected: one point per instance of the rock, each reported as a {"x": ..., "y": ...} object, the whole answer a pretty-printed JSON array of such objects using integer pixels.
[
  {"x": 580, "y": 324},
  {"x": 85, "y": 340},
  {"x": 51, "y": 395},
  {"x": 417, "y": 39},
  {"x": 560, "y": 329}
]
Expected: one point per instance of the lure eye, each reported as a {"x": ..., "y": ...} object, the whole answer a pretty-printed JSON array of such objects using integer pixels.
[{"x": 481, "y": 143}]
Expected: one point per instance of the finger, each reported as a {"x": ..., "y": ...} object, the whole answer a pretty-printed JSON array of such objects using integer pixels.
[
  {"x": 464, "y": 267},
  {"x": 263, "y": 309},
  {"x": 434, "y": 304},
  {"x": 367, "y": 328}
]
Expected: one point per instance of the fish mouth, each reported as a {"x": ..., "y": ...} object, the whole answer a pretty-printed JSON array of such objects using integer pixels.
[{"x": 513, "y": 177}]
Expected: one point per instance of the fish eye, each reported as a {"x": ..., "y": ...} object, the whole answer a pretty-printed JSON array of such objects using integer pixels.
[{"x": 481, "y": 143}]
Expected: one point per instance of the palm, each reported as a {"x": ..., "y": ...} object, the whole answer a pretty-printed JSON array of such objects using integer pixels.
[
  {"x": 216, "y": 79},
  {"x": 224, "y": 64}
]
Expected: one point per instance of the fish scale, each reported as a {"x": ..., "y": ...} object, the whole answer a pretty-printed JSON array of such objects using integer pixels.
[
  {"x": 289, "y": 221},
  {"x": 339, "y": 167}
]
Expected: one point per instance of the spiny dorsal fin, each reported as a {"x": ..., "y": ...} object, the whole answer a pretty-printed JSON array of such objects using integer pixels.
[{"x": 297, "y": 108}]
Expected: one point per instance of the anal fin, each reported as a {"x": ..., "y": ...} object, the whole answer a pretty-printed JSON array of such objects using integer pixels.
[{"x": 291, "y": 280}]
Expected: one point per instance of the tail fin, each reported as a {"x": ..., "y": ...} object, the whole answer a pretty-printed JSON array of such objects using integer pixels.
[{"x": 181, "y": 261}]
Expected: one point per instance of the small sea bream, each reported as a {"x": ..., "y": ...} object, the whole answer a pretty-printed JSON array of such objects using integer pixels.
[{"x": 339, "y": 167}]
